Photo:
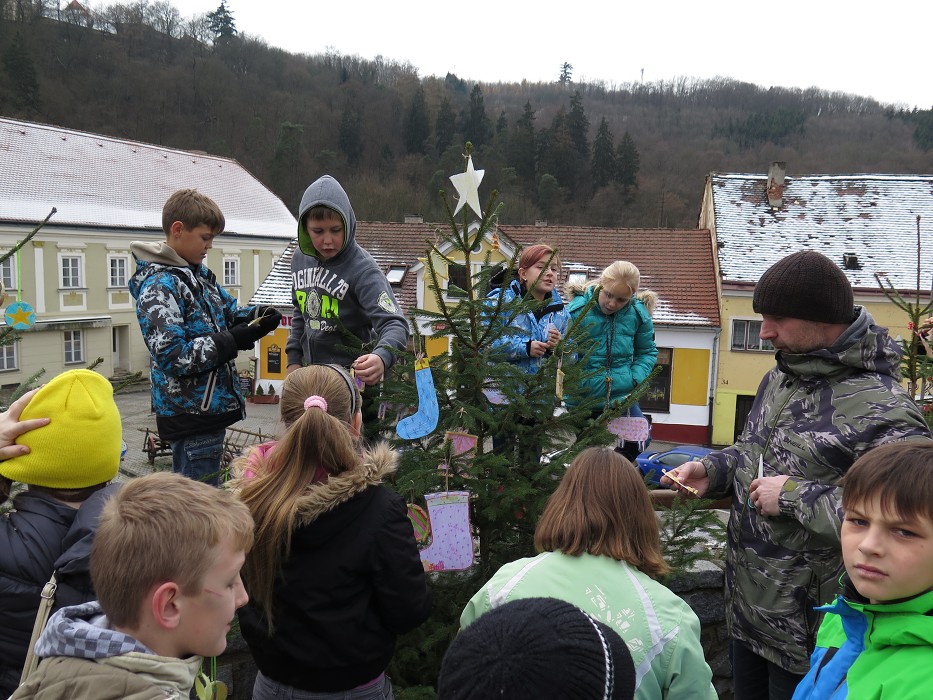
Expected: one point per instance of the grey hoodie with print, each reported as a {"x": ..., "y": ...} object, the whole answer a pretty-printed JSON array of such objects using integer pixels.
[
  {"x": 344, "y": 306},
  {"x": 814, "y": 414}
]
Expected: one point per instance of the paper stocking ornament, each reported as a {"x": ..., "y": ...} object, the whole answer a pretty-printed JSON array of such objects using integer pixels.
[
  {"x": 424, "y": 420},
  {"x": 452, "y": 545}
]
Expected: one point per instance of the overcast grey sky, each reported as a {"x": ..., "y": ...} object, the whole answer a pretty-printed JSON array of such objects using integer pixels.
[{"x": 879, "y": 50}]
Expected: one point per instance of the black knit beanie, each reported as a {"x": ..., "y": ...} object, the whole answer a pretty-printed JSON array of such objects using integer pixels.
[
  {"x": 805, "y": 285},
  {"x": 537, "y": 648}
]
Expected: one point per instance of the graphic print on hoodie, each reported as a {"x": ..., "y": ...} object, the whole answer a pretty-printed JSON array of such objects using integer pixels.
[{"x": 344, "y": 306}]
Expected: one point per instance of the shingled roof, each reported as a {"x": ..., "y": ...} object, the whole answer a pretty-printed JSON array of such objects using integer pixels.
[
  {"x": 873, "y": 217},
  {"x": 677, "y": 264},
  {"x": 99, "y": 181}
]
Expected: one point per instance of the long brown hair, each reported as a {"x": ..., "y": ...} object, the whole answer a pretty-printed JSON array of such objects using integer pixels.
[
  {"x": 602, "y": 507},
  {"x": 314, "y": 439}
]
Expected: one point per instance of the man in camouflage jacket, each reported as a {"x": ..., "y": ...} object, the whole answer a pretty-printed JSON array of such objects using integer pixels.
[{"x": 834, "y": 395}]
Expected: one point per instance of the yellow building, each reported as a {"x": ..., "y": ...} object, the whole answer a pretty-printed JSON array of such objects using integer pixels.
[{"x": 867, "y": 224}]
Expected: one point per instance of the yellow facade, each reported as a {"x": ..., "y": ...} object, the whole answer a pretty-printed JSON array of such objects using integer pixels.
[
  {"x": 740, "y": 372},
  {"x": 484, "y": 254}
]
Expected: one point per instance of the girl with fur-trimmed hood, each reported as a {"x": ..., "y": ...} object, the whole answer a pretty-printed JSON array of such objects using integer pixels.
[
  {"x": 621, "y": 333},
  {"x": 335, "y": 573}
]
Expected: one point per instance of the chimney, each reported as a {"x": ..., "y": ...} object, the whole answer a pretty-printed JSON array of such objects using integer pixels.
[
  {"x": 850, "y": 261},
  {"x": 776, "y": 184},
  {"x": 414, "y": 219}
]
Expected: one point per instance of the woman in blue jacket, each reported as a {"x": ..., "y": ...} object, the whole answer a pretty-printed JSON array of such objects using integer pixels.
[
  {"x": 621, "y": 335},
  {"x": 539, "y": 329}
]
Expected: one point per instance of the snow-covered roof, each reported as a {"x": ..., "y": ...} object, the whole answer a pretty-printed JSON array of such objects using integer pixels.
[
  {"x": 99, "y": 181},
  {"x": 873, "y": 217}
]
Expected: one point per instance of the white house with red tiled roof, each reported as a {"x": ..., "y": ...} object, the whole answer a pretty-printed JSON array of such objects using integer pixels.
[
  {"x": 678, "y": 265},
  {"x": 108, "y": 192},
  {"x": 866, "y": 224}
]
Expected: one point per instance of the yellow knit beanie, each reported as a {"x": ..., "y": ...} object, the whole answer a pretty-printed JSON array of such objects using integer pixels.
[{"x": 81, "y": 445}]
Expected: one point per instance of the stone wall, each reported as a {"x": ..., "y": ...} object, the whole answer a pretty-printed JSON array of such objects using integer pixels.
[{"x": 702, "y": 587}]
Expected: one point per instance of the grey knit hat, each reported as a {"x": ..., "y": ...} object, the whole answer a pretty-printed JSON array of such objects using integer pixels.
[
  {"x": 537, "y": 648},
  {"x": 805, "y": 285}
]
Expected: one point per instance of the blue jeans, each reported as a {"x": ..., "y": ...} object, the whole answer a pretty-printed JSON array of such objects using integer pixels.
[
  {"x": 198, "y": 456},
  {"x": 756, "y": 678},
  {"x": 267, "y": 689}
]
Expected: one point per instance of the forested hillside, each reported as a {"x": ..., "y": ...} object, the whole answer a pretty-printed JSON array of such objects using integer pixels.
[{"x": 612, "y": 155}]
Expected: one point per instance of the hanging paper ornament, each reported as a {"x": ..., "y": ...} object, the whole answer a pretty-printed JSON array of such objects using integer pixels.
[
  {"x": 461, "y": 442},
  {"x": 424, "y": 420},
  {"x": 451, "y": 548},
  {"x": 630, "y": 428},
  {"x": 20, "y": 316},
  {"x": 420, "y": 523}
]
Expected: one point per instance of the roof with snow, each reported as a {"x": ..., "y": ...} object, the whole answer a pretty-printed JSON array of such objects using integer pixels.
[
  {"x": 677, "y": 264},
  {"x": 870, "y": 217},
  {"x": 99, "y": 181}
]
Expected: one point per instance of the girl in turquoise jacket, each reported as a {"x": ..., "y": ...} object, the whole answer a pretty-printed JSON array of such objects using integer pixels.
[{"x": 620, "y": 332}]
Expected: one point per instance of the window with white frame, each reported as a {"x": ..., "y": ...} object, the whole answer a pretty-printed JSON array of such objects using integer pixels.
[
  {"x": 8, "y": 357},
  {"x": 119, "y": 268},
  {"x": 231, "y": 272},
  {"x": 745, "y": 336},
  {"x": 8, "y": 273},
  {"x": 74, "y": 347},
  {"x": 72, "y": 273}
]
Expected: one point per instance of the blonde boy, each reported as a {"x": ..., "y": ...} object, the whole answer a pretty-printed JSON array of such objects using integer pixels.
[
  {"x": 876, "y": 640},
  {"x": 166, "y": 567}
]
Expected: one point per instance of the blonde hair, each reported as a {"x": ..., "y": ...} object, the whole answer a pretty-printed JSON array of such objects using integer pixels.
[
  {"x": 314, "y": 439},
  {"x": 192, "y": 208},
  {"x": 621, "y": 272},
  {"x": 602, "y": 507},
  {"x": 157, "y": 528}
]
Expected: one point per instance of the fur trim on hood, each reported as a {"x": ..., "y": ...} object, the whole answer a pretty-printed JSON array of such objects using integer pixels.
[
  {"x": 377, "y": 463},
  {"x": 646, "y": 296}
]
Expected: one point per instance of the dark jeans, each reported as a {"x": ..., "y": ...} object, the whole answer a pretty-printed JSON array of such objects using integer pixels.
[
  {"x": 756, "y": 678},
  {"x": 198, "y": 456}
]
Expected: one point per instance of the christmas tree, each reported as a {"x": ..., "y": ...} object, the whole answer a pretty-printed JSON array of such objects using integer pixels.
[{"x": 480, "y": 394}]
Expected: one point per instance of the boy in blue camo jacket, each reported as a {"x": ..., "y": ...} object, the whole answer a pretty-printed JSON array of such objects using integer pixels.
[{"x": 193, "y": 330}]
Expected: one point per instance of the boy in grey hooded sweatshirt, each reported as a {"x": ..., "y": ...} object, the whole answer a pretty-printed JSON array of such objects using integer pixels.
[{"x": 345, "y": 311}]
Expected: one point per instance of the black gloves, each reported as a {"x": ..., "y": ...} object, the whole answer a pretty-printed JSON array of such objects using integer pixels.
[
  {"x": 263, "y": 320},
  {"x": 245, "y": 336},
  {"x": 269, "y": 319}
]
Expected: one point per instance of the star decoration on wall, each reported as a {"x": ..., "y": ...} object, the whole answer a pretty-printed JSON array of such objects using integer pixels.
[{"x": 467, "y": 185}]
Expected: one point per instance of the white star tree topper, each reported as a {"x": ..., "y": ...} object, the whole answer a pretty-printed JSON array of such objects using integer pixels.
[{"x": 467, "y": 185}]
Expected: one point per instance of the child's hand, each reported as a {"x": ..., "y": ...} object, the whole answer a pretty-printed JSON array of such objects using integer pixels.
[
  {"x": 537, "y": 349},
  {"x": 369, "y": 368},
  {"x": 11, "y": 427},
  {"x": 553, "y": 336}
]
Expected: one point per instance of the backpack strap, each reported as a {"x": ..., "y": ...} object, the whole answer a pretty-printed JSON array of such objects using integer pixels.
[{"x": 47, "y": 599}]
